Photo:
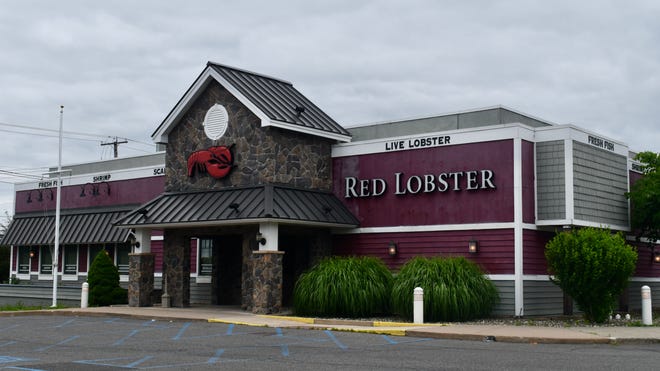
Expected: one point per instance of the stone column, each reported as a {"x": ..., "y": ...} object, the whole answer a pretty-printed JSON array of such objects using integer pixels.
[
  {"x": 140, "y": 279},
  {"x": 176, "y": 268},
  {"x": 267, "y": 281}
]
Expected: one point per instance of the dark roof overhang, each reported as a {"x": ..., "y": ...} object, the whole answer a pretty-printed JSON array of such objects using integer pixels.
[
  {"x": 76, "y": 227},
  {"x": 240, "y": 206}
]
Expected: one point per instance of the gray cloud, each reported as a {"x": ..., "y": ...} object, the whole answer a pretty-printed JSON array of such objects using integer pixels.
[{"x": 118, "y": 67}]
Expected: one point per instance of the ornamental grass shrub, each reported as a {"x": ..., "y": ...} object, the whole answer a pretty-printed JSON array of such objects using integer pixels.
[
  {"x": 455, "y": 289},
  {"x": 344, "y": 287},
  {"x": 593, "y": 267},
  {"x": 103, "y": 279}
]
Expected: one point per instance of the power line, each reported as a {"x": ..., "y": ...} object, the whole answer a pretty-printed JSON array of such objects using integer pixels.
[{"x": 50, "y": 130}]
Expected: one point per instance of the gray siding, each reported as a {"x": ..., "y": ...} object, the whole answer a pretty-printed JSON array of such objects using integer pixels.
[
  {"x": 156, "y": 159},
  {"x": 200, "y": 293},
  {"x": 635, "y": 295},
  {"x": 463, "y": 120},
  {"x": 506, "y": 306},
  {"x": 600, "y": 182},
  {"x": 542, "y": 298},
  {"x": 550, "y": 180},
  {"x": 39, "y": 295}
]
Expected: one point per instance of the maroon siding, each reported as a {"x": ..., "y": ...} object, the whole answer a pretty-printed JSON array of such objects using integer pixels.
[
  {"x": 157, "y": 250},
  {"x": 83, "y": 251},
  {"x": 534, "y": 251},
  {"x": 122, "y": 192},
  {"x": 34, "y": 262},
  {"x": 15, "y": 259},
  {"x": 495, "y": 254},
  {"x": 528, "y": 182},
  {"x": 449, "y": 207},
  {"x": 193, "y": 256},
  {"x": 645, "y": 265}
]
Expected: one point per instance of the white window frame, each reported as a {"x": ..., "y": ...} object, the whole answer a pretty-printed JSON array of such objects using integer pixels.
[
  {"x": 69, "y": 276},
  {"x": 199, "y": 277},
  {"x": 23, "y": 276},
  {"x": 43, "y": 276}
]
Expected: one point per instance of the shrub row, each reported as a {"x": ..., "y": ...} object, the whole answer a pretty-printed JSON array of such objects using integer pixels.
[{"x": 455, "y": 289}]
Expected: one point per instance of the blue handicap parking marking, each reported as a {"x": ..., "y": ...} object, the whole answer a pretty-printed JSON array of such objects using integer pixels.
[
  {"x": 216, "y": 357},
  {"x": 65, "y": 341},
  {"x": 335, "y": 340}
]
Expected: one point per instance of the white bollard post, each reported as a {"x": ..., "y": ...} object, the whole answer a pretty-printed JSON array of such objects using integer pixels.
[
  {"x": 418, "y": 305},
  {"x": 647, "y": 315},
  {"x": 84, "y": 295}
]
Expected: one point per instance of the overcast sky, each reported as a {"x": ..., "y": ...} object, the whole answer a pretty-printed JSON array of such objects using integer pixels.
[{"x": 118, "y": 67}]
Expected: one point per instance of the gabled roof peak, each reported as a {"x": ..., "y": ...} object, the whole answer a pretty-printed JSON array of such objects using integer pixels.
[
  {"x": 275, "y": 102},
  {"x": 221, "y": 65}
]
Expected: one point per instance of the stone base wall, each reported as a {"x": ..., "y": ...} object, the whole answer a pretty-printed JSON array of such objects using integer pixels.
[
  {"x": 267, "y": 281},
  {"x": 176, "y": 268},
  {"x": 141, "y": 279}
]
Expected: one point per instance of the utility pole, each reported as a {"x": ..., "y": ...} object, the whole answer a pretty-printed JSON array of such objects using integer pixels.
[{"x": 116, "y": 144}]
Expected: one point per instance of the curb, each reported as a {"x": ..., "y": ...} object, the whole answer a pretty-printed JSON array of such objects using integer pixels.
[{"x": 366, "y": 327}]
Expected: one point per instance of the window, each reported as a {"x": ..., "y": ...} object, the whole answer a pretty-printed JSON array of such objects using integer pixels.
[
  {"x": 205, "y": 257},
  {"x": 45, "y": 260},
  {"x": 24, "y": 260},
  {"x": 93, "y": 251},
  {"x": 122, "y": 258},
  {"x": 71, "y": 260}
]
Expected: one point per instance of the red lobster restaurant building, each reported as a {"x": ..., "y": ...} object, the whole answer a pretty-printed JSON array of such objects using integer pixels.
[{"x": 255, "y": 184}]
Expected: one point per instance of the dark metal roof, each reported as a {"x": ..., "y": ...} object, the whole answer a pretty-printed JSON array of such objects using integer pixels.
[
  {"x": 278, "y": 99},
  {"x": 78, "y": 228},
  {"x": 266, "y": 202}
]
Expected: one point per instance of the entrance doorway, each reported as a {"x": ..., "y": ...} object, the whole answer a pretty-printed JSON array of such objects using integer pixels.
[
  {"x": 228, "y": 265},
  {"x": 295, "y": 263}
]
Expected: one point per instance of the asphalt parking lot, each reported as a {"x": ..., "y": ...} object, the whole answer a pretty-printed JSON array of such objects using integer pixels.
[
  {"x": 55, "y": 342},
  {"x": 82, "y": 343}
]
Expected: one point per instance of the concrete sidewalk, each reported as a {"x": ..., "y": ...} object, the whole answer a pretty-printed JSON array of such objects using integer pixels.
[{"x": 502, "y": 333}]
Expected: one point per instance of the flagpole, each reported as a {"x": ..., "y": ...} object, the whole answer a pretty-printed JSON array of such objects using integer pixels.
[{"x": 57, "y": 213}]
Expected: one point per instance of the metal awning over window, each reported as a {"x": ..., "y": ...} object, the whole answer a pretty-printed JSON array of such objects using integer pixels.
[
  {"x": 75, "y": 228},
  {"x": 242, "y": 205}
]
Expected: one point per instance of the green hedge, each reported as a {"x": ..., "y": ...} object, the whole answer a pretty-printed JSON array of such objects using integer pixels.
[
  {"x": 455, "y": 289},
  {"x": 344, "y": 287}
]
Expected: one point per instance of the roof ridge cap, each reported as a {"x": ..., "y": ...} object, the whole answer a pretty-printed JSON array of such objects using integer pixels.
[{"x": 211, "y": 63}]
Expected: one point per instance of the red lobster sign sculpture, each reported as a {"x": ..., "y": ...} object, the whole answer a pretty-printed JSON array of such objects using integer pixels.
[{"x": 217, "y": 161}]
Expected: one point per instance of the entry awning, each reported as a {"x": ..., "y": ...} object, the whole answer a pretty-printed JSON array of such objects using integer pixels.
[
  {"x": 242, "y": 205},
  {"x": 75, "y": 228}
]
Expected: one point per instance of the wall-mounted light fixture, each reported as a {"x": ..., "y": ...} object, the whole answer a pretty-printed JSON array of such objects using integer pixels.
[
  {"x": 133, "y": 241},
  {"x": 31, "y": 254},
  {"x": 234, "y": 206},
  {"x": 655, "y": 255},
  {"x": 473, "y": 246},
  {"x": 261, "y": 239},
  {"x": 392, "y": 249},
  {"x": 40, "y": 195},
  {"x": 94, "y": 189}
]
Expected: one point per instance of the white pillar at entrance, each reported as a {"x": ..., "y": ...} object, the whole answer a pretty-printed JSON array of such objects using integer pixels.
[
  {"x": 268, "y": 236},
  {"x": 143, "y": 240}
]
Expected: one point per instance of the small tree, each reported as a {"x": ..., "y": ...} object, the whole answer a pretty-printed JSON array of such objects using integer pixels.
[
  {"x": 103, "y": 279},
  {"x": 593, "y": 267},
  {"x": 645, "y": 198}
]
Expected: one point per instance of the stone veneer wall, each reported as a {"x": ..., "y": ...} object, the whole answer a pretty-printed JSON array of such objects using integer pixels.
[
  {"x": 267, "y": 281},
  {"x": 176, "y": 267},
  {"x": 261, "y": 155},
  {"x": 141, "y": 279}
]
